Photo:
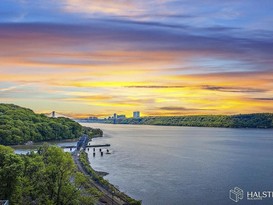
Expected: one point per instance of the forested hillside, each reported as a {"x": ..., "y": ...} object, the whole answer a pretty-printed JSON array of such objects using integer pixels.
[
  {"x": 44, "y": 178},
  {"x": 259, "y": 120},
  {"x": 19, "y": 125}
]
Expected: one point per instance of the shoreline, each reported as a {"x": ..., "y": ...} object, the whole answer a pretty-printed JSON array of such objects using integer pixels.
[
  {"x": 252, "y": 120},
  {"x": 97, "y": 176},
  {"x": 39, "y": 143},
  {"x": 237, "y": 128},
  {"x": 96, "y": 179},
  {"x": 108, "y": 189},
  {"x": 101, "y": 173}
]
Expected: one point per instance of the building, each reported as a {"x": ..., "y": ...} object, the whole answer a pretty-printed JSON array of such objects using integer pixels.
[
  {"x": 121, "y": 116},
  {"x": 115, "y": 118},
  {"x": 53, "y": 114},
  {"x": 136, "y": 114}
]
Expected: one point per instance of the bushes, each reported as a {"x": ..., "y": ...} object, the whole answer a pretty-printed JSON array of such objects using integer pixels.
[{"x": 92, "y": 132}]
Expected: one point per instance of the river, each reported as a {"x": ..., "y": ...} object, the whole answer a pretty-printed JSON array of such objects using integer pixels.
[{"x": 165, "y": 165}]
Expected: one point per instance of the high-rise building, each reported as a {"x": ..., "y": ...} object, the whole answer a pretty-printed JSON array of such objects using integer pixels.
[
  {"x": 115, "y": 118},
  {"x": 136, "y": 114}
]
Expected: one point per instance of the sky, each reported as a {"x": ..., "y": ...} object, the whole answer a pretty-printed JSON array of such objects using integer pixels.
[{"x": 160, "y": 57}]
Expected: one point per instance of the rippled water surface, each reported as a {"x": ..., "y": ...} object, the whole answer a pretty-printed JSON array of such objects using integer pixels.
[{"x": 186, "y": 165}]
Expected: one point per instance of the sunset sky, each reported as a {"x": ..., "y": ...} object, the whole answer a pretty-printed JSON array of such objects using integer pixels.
[{"x": 160, "y": 57}]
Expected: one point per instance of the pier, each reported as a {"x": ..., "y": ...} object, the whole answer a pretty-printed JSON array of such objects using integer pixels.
[
  {"x": 87, "y": 146},
  {"x": 83, "y": 143}
]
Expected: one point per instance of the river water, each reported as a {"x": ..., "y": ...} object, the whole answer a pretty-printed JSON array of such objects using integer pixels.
[{"x": 163, "y": 165}]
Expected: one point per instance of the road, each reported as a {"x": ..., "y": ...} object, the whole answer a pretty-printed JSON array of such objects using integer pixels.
[{"x": 106, "y": 198}]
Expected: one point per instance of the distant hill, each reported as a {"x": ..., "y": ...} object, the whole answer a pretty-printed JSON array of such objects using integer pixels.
[
  {"x": 257, "y": 120},
  {"x": 19, "y": 125}
]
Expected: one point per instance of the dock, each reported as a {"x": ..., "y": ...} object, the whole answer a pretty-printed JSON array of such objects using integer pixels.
[
  {"x": 87, "y": 146},
  {"x": 84, "y": 143}
]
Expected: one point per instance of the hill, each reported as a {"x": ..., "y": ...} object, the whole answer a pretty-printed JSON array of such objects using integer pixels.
[
  {"x": 19, "y": 125},
  {"x": 257, "y": 120}
]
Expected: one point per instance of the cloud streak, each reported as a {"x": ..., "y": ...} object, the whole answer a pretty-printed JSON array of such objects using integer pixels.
[
  {"x": 264, "y": 99},
  {"x": 155, "y": 86},
  {"x": 182, "y": 109},
  {"x": 233, "y": 89}
]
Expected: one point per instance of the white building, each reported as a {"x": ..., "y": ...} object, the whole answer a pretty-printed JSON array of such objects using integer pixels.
[{"x": 136, "y": 114}]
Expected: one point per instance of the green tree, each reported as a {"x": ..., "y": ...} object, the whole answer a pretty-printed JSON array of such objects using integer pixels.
[
  {"x": 11, "y": 168},
  {"x": 48, "y": 177},
  {"x": 19, "y": 125}
]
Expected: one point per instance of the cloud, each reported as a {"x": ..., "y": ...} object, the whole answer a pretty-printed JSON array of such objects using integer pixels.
[
  {"x": 8, "y": 89},
  {"x": 99, "y": 35},
  {"x": 182, "y": 109},
  {"x": 114, "y": 56},
  {"x": 111, "y": 7},
  {"x": 95, "y": 97},
  {"x": 158, "y": 15},
  {"x": 148, "y": 23},
  {"x": 155, "y": 86},
  {"x": 233, "y": 89},
  {"x": 261, "y": 80},
  {"x": 16, "y": 88},
  {"x": 263, "y": 99},
  {"x": 97, "y": 6}
]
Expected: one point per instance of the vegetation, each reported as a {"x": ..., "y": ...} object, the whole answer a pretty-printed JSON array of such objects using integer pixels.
[
  {"x": 95, "y": 176},
  {"x": 99, "y": 179},
  {"x": 19, "y": 125},
  {"x": 259, "y": 120},
  {"x": 92, "y": 132},
  {"x": 48, "y": 177}
]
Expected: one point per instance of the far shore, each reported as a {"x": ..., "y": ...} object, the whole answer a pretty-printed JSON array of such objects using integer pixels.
[
  {"x": 108, "y": 123},
  {"x": 254, "y": 120}
]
